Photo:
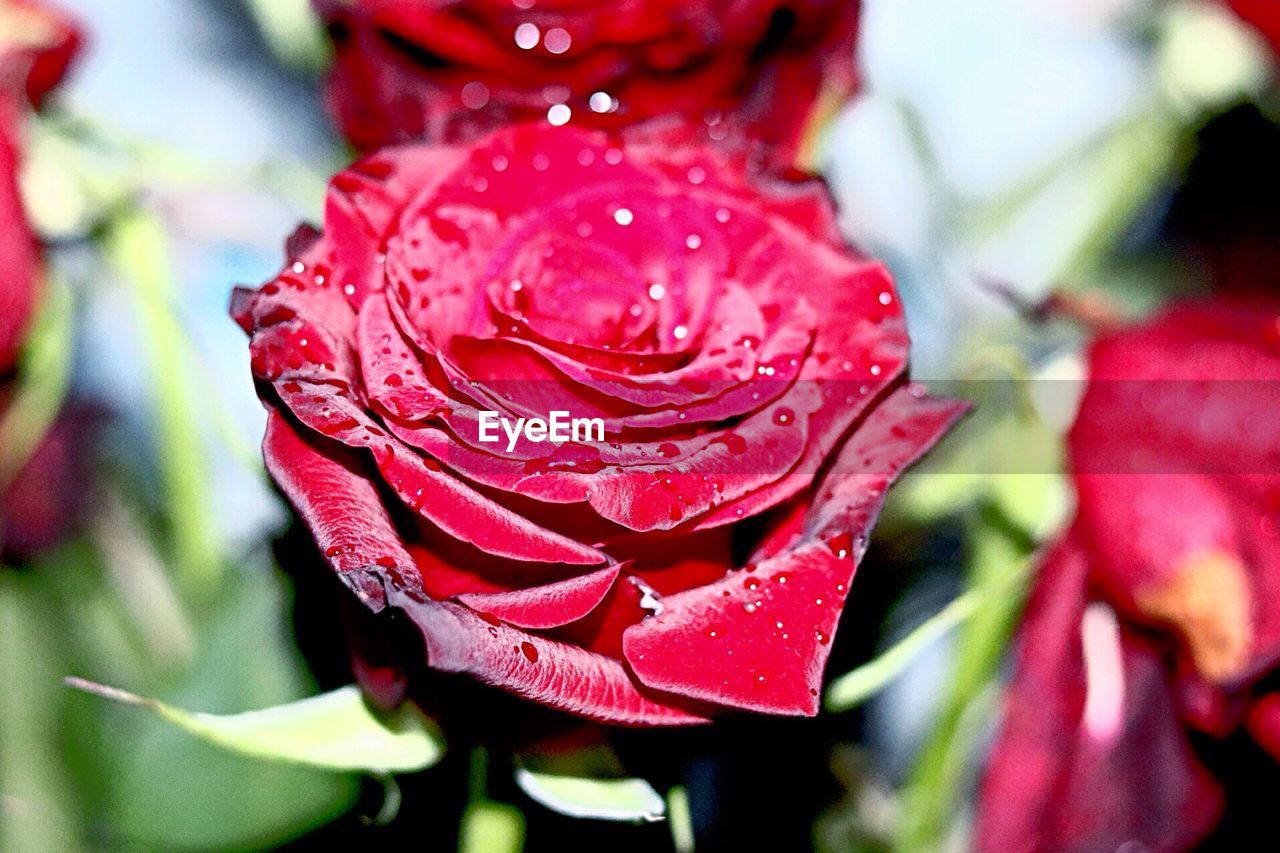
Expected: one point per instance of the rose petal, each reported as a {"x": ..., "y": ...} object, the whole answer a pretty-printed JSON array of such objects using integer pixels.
[
  {"x": 534, "y": 667},
  {"x": 759, "y": 639},
  {"x": 547, "y": 606},
  {"x": 1091, "y": 755}
]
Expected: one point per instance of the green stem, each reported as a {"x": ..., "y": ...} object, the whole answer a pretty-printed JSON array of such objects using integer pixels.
[
  {"x": 860, "y": 684},
  {"x": 44, "y": 374},
  {"x": 931, "y": 793},
  {"x": 138, "y": 246}
]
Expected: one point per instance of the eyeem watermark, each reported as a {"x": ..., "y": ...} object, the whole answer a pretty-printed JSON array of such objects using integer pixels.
[{"x": 558, "y": 428}]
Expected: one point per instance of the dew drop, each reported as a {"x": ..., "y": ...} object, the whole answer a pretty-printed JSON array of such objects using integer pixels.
[
  {"x": 601, "y": 102},
  {"x": 693, "y": 241},
  {"x": 680, "y": 332},
  {"x": 529, "y": 651},
  {"x": 885, "y": 297},
  {"x": 783, "y": 416},
  {"x": 841, "y": 544},
  {"x": 527, "y": 36},
  {"x": 475, "y": 95},
  {"x": 558, "y": 115},
  {"x": 624, "y": 216},
  {"x": 333, "y": 551},
  {"x": 299, "y": 267},
  {"x": 822, "y": 638},
  {"x": 667, "y": 450},
  {"x": 656, "y": 292},
  {"x": 723, "y": 215},
  {"x": 557, "y": 40}
]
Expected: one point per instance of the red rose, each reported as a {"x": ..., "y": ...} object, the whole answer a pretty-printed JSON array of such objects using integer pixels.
[
  {"x": 748, "y": 369},
  {"x": 1263, "y": 15},
  {"x": 1160, "y": 612},
  {"x": 453, "y": 71},
  {"x": 36, "y": 46}
]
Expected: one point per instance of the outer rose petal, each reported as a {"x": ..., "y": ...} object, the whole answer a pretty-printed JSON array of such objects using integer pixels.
[
  {"x": 534, "y": 667},
  {"x": 759, "y": 639},
  {"x": 326, "y": 484},
  {"x": 1091, "y": 755}
]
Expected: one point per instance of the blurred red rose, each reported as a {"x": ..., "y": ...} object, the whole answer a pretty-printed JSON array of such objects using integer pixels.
[
  {"x": 36, "y": 46},
  {"x": 749, "y": 371},
  {"x": 1262, "y": 14},
  {"x": 1159, "y": 614},
  {"x": 443, "y": 71}
]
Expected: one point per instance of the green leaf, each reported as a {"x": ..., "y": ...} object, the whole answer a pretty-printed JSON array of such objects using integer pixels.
[
  {"x": 632, "y": 800},
  {"x": 39, "y": 809},
  {"x": 333, "y": 731},
  {"x": 860, "y": 684}
]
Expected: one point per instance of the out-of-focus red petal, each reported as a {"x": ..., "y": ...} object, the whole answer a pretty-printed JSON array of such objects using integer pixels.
[{"x": 1091, "y": 754}]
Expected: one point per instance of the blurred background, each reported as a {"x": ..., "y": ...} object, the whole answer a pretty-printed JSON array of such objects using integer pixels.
[{"x": 1023, "y": 166}]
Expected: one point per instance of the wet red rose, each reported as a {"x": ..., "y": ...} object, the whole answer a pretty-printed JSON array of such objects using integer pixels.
[
  {"x": 749, "y": 372},
  {"x": 1159, "y": 614},
  {"x": 752, "y": 70},
  {"x": 1264, "y": 15}
]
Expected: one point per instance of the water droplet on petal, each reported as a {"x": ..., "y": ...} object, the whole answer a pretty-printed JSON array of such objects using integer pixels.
[
  {"x": 841, "y": 545},
  {"x": 557, "y": 40},
  {"x": 475, "y": 95},
  {"x": 559, "y": 115},
  {"x": 656, "y": 292},
  {"x": 527, "y": 36},
  {"x": 783, "y": 416},
  {"x": 601, "y": 102},
  {"x": 680, "y": 332},
  {"x": 529, "y": 651},
  {"x": 693, "y": 241},
  {"x": 623, "y": 216}
]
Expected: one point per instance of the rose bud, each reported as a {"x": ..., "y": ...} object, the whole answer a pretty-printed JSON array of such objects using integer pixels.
[
  {"x": 748, "y": 368},
  {"x": 752, "y": 70},
  {"x": 1158, "y": 614}
]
